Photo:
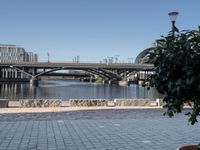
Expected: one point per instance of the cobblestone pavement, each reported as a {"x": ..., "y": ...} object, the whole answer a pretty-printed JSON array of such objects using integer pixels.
[{"x": 96, "y": 130}]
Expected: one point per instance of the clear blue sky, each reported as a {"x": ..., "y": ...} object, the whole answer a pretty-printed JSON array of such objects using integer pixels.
[{"x": 92, "y": 29}]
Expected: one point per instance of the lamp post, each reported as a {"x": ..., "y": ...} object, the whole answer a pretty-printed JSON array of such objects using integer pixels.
[
  {"x": 199, "y": 29},
  {"x": 130, "y": 60},
  {"x": 173, "y": 15},
  {"x": 116, "y": 58},
  {"x": 48, "y": 55}
]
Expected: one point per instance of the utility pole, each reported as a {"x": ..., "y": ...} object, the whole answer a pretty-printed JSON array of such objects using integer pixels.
[
  {"x": 78, "y": 59},
  {"x": 131, "y": 60},
  {"x": 48, "y": 55},
  {"x": 116, "y": 58}
]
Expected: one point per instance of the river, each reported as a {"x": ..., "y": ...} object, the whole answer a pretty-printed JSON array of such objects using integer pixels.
[{"x": 70, "y": 89}]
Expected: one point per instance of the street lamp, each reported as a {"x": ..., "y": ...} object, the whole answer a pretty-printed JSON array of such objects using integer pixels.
[
  {"x": 116, "y": 58},
  {"x": 48, "y": 55},
  {"x": 173, "y": 16},
  {"x": 130, "y": 60}
]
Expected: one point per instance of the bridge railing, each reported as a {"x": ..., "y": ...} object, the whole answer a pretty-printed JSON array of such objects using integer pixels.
[{"x": 70, "y": 62}]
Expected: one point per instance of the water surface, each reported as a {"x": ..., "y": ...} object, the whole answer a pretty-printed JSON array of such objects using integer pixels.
[{"x": 65, "y": 90}]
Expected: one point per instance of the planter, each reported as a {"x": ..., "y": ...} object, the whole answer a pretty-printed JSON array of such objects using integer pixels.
[{"x": 188, "y": 147}]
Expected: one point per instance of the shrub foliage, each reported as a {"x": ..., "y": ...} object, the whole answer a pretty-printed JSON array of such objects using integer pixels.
[{"x": 177, "y": 75}]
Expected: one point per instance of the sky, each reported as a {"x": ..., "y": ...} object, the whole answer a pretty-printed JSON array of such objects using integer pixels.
[{"x": 91, "y": 29}]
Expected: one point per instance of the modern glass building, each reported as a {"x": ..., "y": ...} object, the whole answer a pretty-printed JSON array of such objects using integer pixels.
[
  {"x": 31, "y": 57},
  {"x": 13, "y": 53}
]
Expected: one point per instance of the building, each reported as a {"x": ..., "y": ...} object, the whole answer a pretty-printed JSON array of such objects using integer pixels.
[
  {"x": 143, "y": 57},
  {"x": 13, "y": 53},
  {"x": 32, "y": 57}
]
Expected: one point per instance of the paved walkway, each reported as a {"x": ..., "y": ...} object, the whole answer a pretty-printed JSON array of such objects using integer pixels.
[{"x": 126, "y": 129}]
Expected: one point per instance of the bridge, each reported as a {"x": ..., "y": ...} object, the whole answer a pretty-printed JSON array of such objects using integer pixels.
[{"x": 109, "y": 72}]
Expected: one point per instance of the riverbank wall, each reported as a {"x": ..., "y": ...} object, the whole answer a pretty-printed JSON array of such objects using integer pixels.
[{"x": 26, "y": 103}]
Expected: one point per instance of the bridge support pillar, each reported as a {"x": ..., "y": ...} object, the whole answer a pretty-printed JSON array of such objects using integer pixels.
[
  {"x": 34, "y": 81},
  {"x": 111, "y": 82},
  {"x": 104, "y": 81},
  {"x": 123, "y": 83}
]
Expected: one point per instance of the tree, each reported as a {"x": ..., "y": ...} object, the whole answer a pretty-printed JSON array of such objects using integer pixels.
[{"x": 177, "y": 71}]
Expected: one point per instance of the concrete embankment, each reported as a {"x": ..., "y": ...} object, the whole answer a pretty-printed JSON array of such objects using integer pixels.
[{"x": 27, "y": 103}]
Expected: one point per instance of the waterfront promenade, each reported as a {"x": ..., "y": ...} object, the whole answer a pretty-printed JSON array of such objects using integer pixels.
[{"x": 95, "y": 128}]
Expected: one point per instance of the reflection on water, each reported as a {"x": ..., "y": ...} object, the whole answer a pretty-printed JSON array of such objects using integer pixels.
[{"x": 55, "y": 89}]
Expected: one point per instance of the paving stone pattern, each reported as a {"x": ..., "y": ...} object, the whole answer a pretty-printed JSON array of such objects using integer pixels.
[{"x": 108, "y": 130}]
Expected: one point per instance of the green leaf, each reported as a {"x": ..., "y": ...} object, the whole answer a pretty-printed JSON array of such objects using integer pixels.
[
  {"x": 176, "y": 29},
  {"x": 177, "y": 71}
]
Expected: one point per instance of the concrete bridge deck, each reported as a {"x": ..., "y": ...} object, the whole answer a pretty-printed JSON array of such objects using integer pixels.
[{"x": 80, "y": 65}]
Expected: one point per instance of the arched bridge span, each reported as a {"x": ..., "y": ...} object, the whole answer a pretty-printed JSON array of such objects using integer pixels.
[{"x": 116, "y": 72}]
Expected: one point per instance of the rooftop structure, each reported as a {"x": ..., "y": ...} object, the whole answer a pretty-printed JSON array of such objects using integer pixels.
[{"x": 143, "y": 57}]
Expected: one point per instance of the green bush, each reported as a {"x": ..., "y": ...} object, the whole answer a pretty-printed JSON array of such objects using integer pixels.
[{"x": 177, "y": 71}]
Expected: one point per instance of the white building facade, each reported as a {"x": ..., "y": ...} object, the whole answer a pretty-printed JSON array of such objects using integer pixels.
[
  {"x": 32, "y": 57},
  {"x": 13, "y": 54}
]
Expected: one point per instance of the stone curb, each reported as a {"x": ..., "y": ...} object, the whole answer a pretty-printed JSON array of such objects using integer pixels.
[
  {"x": 26, "y": 103},
  {"x": 88, "y": 102}
]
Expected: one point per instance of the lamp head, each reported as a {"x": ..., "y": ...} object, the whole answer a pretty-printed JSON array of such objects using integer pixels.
[{"x": 173, "y": 15}]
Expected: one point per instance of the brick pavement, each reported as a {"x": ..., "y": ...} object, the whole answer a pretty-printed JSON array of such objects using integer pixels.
[{"x": 96, "y": 130}]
